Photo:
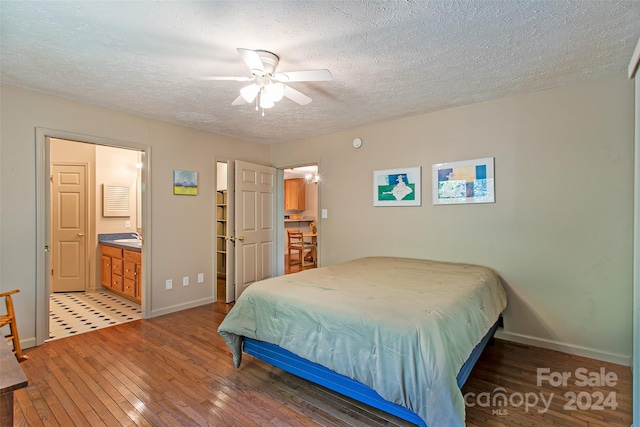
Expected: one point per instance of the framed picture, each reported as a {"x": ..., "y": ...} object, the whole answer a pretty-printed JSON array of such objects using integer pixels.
[
  {"x": 468, "y": 181},
  {"x": 185, "y": 183},
  {"x": 397, "y": 187}
]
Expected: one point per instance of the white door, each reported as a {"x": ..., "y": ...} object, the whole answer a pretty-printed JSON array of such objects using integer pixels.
[
  {"x": 69, "y": 252},
  {"x": 255, "y": 225}
]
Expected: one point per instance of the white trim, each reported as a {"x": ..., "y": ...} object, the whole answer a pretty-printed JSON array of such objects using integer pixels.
[
  {"x": 577, "y": 350},
  {"x": 43, "y": 233},
  {"x": 43, "y": 237},
  {"x": 635, "y": 390},
  {"x": 183, "y": 306}
]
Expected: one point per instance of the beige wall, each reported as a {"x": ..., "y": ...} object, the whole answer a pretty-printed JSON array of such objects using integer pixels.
[
  {"x": 560, "y": 232},
  {"x": 116, "y": 166},
  {"x": 182, "y": 226}
]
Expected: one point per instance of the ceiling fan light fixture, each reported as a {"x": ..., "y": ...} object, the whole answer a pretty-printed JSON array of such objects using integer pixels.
[
  {"x": 250, "y": 92},
  {"x": 266, "y": 101},
  {"x": 275, "y": 91}
]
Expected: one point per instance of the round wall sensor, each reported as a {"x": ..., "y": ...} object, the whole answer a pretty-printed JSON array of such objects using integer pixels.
[{"x": 357, "y": 143}]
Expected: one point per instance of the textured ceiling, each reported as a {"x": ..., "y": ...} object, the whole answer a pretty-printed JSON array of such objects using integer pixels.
[{"x": 389, "y": 59}]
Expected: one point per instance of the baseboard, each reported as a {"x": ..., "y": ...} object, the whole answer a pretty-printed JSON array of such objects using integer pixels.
[
  {"x": 180, "y": 307},
  {"x": 592, "y": 353},
  {"x": 28, "y": 343}
]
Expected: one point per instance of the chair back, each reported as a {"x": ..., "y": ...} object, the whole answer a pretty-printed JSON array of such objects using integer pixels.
[{"x": 294, "y": 237}]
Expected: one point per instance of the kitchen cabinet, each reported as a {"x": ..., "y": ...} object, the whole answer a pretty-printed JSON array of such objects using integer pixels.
[
  {"x": 294, "y": 194},
  {"x": 121, "y": 272}
]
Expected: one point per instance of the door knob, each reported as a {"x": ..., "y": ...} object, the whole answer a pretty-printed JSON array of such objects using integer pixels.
[
  {"x": 80, "y": 234},
  {"x": 233, "y": 239},
  {"x": 241, "y": 238}
]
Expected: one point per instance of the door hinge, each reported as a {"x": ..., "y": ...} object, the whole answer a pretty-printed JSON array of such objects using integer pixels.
[
  {"x": 51, "y": 178},
  {"x": 52, "y": 271}
]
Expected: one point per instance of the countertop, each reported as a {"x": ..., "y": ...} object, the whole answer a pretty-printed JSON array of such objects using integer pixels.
[
  {"x": 109, "y": 239},
  {"x": 303, "y": 219}
]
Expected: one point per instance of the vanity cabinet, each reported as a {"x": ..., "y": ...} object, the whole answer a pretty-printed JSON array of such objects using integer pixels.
[
  {"x": 294, "y": 194},
  {"x": 121, "y": 272}
]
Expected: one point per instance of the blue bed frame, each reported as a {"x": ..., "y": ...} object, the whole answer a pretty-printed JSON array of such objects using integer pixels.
[{"x": 325, "y": 377}]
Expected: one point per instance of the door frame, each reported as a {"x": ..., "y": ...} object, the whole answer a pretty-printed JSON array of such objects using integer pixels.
[
  {"x": 634, "y": 67},
  {"x": 43, "y": 217},
  {"x": 229, "y": 245},
  {"x": 281, "y": 241}
]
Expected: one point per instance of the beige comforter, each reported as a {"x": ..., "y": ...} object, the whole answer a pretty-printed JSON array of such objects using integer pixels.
[{"x": 404, "y": 327}]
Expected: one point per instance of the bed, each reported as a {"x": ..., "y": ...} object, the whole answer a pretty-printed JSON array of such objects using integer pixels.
[{"x": 399, "y": 334}]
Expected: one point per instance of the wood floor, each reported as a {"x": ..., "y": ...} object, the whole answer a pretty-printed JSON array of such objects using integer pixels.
[{"x": 175, "y": 370}]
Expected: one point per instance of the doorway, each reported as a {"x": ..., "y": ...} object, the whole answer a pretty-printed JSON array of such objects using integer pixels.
[
  {"x": 246, "y": 228},
  {"x": 46, "y": 258},
  {"x": 301, "y": 214}
]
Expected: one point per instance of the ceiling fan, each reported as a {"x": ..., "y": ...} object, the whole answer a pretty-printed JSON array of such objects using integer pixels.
[{"x": 267, "y": 86}]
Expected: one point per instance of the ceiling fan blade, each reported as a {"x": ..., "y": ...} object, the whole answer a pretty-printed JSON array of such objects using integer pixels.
[
  {"x": 304, "y": 76},
  {"x": 238, "y": 101},
  {"x": 235, "y": 79},
  {"x": 296, "y": 96},
  {"x": 252, "y": 59}
]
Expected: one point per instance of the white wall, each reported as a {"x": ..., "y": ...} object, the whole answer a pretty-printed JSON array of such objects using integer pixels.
[
  {"x": 560, "y": 232},
  {"x": 182, "y": 226}
]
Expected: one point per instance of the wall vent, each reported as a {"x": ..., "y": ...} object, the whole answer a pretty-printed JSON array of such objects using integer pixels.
[{"x": 115, "y": 200}]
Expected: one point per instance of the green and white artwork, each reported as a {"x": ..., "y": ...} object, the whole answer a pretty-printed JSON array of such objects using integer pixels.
[{"x": 397, "y": 187}]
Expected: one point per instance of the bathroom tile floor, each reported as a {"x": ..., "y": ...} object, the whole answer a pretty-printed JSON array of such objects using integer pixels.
[{"x": 73, "y": 313}]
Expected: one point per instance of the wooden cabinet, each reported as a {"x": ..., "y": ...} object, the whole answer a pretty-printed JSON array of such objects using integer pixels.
[
  {"x": 132, "y": 274},
  {"x": 121, "y": 272},
  {"x": 294, "y": 193}
]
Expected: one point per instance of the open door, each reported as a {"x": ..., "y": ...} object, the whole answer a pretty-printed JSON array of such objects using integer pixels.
[{"x": 254, "y": 224}]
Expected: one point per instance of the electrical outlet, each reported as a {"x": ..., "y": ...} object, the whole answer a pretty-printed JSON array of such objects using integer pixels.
[
  {"x": 200, "y": 277},
  {"x": 169, "y": 284},
  {"x": 185, "y": 280}
]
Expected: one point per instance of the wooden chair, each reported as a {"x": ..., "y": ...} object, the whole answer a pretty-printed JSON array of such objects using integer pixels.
[
  {"x": 296, "y": 243},
  {"x": 9, "y": 319}
]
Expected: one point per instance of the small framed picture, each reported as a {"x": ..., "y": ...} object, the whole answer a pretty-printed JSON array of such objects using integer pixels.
[
  {"x": 468, "y": 181},
  {"x": 185, "y": 183},
  {"x": 397, "y": 187}
]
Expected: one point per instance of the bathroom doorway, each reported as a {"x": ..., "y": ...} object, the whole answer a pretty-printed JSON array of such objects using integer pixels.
[{"x": 94, "y": 166}]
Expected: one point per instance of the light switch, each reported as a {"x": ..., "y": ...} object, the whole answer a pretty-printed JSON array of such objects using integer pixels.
[
  {"x": 185, "y": 280},
  {"x": 324, "y": 214},
  {"x": 127, "y": 224},
  {"x": 200, "y": 277}
]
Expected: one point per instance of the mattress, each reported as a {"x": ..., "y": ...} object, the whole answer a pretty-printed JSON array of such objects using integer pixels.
[{"x": 403, "y": 327}]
